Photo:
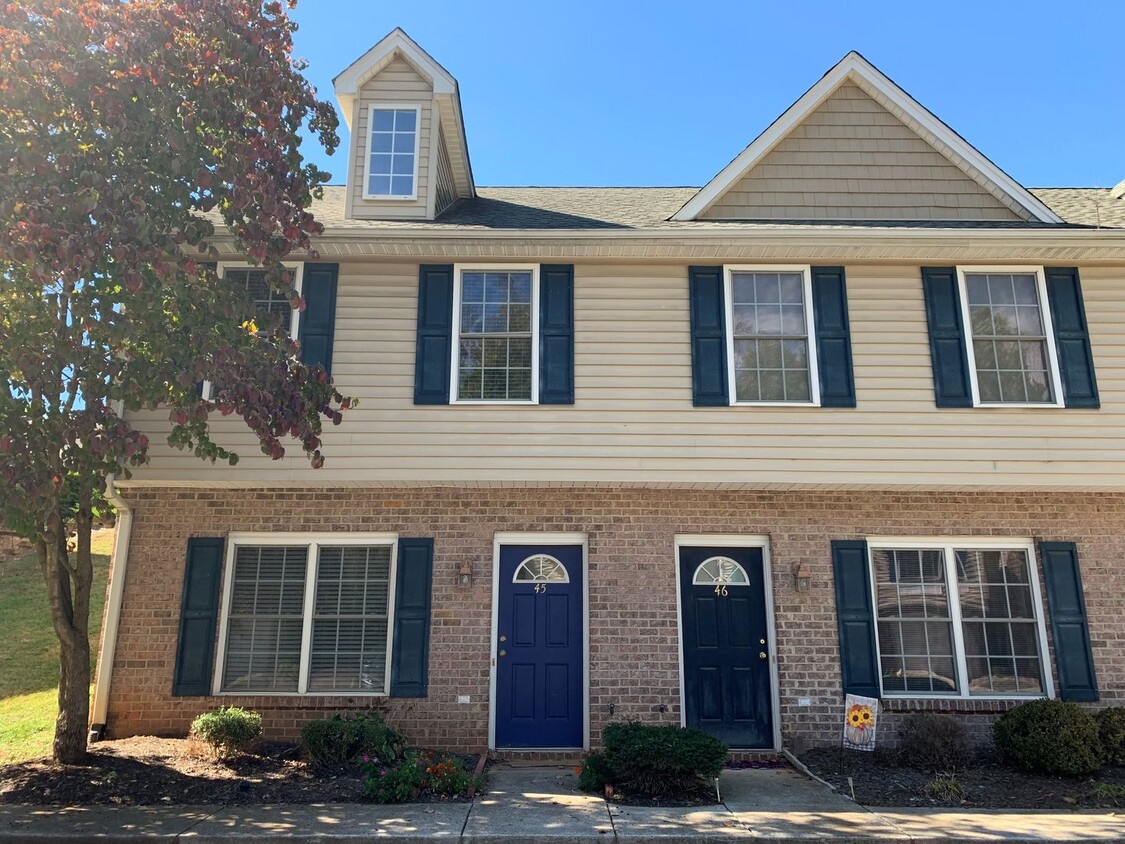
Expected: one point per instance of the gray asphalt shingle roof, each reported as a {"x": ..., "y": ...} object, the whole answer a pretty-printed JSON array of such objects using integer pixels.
[{"x": 546, "y": 208}]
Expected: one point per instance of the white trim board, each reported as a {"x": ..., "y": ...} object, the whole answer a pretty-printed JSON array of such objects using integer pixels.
[
  {"x": 524, "y": 538},
  {"x": 721, "y": 540},
  {"x": 856, "y": 68}
]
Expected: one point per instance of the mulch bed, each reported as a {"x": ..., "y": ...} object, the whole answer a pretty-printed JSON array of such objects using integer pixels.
[
  {"x": 880, "y": 780},
  {"x": 146, "y": 771}
]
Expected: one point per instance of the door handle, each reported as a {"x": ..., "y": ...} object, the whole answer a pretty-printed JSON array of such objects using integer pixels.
[
  {"x": 763, "y": 655},
  {"x": 503, "y": 653}
]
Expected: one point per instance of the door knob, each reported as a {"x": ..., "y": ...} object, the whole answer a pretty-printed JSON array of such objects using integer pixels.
[
  {"x": 762, "y": 655},
  {"x": 503, "y": 653}
]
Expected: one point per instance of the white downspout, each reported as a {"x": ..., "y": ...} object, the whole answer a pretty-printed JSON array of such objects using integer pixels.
[{"x": 118, "y": 562}]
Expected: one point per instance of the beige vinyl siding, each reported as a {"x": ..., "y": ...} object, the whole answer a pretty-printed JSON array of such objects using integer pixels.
[
  {"x": 851, "y": 159},
  {"x": 397, "y": 82},
  {"x": 633, "y": 420},
  {"x": 443, "y": 181}
]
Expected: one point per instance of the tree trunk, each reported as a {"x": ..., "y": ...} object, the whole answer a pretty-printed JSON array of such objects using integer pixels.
[{"x": 69, "y": 577}]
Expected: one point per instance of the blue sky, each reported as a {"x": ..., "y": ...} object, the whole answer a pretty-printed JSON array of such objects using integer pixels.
[{"x": 624, "y": 92}]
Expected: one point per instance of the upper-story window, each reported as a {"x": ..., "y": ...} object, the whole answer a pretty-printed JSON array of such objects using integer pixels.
[
  {"x": 1010, "y": 337},
  {"x": 771, "y": 356},
  {"x": 495, "y": 341},
  {"x": 392, "y": 160}
]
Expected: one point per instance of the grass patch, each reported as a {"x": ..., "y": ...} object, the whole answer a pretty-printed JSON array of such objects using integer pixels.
[{"x": 29, "y": 652}]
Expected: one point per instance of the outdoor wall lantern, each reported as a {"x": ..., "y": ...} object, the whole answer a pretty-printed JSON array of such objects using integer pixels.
[
  {"x": 465, "y": 574},
  {"x": 801, "y": 579}
]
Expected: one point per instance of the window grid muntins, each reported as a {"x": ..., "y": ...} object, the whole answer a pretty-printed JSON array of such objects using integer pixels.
[
  {"x": 716, "y": 571},
  {"x": 915, "y": 624},
  {"x": 998, "y": 620},
  {"x": 391, "y": 167},
  {"x": 495, "y": 353},
  {"x": 984, "y": 640},
  {"x": 770, "y": 336},
  {"x": 349, "y": 628},
  {"x": 266, "y": 619},
  {"x": 267, "y": 301},
  {"x": 541, "y": 568},
  {"x": 1009, "y": 338}
]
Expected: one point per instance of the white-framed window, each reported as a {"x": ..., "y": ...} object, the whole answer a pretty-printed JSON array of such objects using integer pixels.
[
  {"x": 391, "y": 165},
  {"x": 1011, "y": 341},
  {"x": 307, "y": 614},
  {"x": 959, "y": 618},
  {"x": 267, "y": 301},
  {"x": 771, "y": 344},
  {"x": 496, "y": 333}
]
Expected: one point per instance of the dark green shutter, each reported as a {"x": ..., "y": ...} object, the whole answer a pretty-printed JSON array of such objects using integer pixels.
[
  {"x": 1067, "y": 604},
  {"x": 318, "y": 322},
  {"x": 556, "y": 334},
  {"x": 708, "y": 337},
  {"x": 199, "y": 614},
  {"x": 859, "y": 662},
  {"x": 411, "y": 650},
  {"x": 435, "y": 334},
  {"x": 833, "y": 337},
  {"x": 1072, "y": 338},
  {"x": 952, "y": 387}
]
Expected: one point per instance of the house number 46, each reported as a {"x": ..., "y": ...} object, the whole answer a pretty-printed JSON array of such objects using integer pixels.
[{"x": 721, "y": 590}]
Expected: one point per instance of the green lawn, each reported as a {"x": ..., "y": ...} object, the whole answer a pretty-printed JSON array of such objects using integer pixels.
[{"x": 29, "y": 652}]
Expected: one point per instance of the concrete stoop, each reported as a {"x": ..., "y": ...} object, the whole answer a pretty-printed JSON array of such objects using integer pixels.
[{"x": 542, "y": 806}]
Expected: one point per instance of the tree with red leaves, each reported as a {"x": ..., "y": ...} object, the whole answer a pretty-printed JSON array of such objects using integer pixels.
[{"x": 132, "y": 135}]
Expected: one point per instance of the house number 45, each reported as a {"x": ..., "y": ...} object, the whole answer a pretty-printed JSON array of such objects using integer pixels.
[{"x": 540, "y": 588}]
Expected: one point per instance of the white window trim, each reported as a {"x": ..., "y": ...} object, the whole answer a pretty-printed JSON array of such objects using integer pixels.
[
  {"x": 947, "y": 545},
  {"x": 455, "y": 354},
  {"x": 1048, "y": 329},
  {"x": 298, "y": 268},
  {"x": 386, "y": 106},
  {"x": 810, "y": 332},
  {"x": 312, "y": 541}
]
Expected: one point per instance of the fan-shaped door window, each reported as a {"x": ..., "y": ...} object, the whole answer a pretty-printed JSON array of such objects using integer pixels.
[
  {"x": 720, "y": 571},
  {"x": 541, "y": 568}
]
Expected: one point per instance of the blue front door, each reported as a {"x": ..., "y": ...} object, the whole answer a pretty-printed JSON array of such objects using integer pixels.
[
  {"x": 727, "y": 686},
  {"x": 539, "y": 647}
]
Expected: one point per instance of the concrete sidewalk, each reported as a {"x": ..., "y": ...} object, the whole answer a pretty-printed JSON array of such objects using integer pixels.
[{"x": 543, "y": 806}]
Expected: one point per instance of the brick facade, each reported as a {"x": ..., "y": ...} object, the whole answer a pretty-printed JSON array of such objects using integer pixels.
[{"x": 633, "y": 629}]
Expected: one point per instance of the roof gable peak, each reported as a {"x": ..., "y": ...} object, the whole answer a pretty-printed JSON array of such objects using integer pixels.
[{"x": 856, "y": 69}]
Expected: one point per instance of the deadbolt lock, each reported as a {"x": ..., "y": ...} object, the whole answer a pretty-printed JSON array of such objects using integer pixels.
[
  {"x": 505, "y": 639},
  {"x": 761, "y": 641}
]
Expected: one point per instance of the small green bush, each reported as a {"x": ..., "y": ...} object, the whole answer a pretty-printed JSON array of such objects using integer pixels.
[
  {"x": 1050, "y": 737},
  {"x": 336, "y": 740},
  {"x": 946, "y": 788},
  {"x": 933, "y": 742},
  {"x": 1111, "y": 727},
  {"x": 593, "y": 774},
  {"x": 446, "y": 775},
  {"x": 656, "y": 759},
  {"x": 227, "y": 729},
  {"x": 394, "y": 782}
]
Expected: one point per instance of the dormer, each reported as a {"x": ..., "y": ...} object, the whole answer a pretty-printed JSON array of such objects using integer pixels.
[
  {"x": 857, "y": 148},
  {"x": 408, "y": 158}
]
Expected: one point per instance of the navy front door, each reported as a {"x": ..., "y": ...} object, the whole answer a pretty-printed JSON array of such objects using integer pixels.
[
  {"x": 727, "y": 686},
  {"x": 539, "y": 647}
]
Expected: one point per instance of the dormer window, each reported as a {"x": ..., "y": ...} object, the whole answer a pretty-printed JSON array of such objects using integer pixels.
[{"x": 392, "y": 164}]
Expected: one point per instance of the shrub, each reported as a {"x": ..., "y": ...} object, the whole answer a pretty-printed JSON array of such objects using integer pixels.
[
  {"x": 446, "y": 776},
  {"x": 946, "y": 788},
  {"x": 1111, "y": 727},
  {"x": 592, "y": 773},
  {"x": 394, "y": 782},
  {"x": 933, "y": 742},
  {"x": 228, "y": 728},
  {"x": 659, "y": 759},
  {"x": 1050, "y": 737},
  {"x": 336, "y": 740}
]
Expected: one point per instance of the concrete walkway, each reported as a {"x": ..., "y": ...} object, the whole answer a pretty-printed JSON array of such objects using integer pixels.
[{"x": 543, "y": 806}]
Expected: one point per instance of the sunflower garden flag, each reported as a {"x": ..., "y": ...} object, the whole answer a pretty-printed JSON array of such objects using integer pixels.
[{"x": 860, "y": 717}]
